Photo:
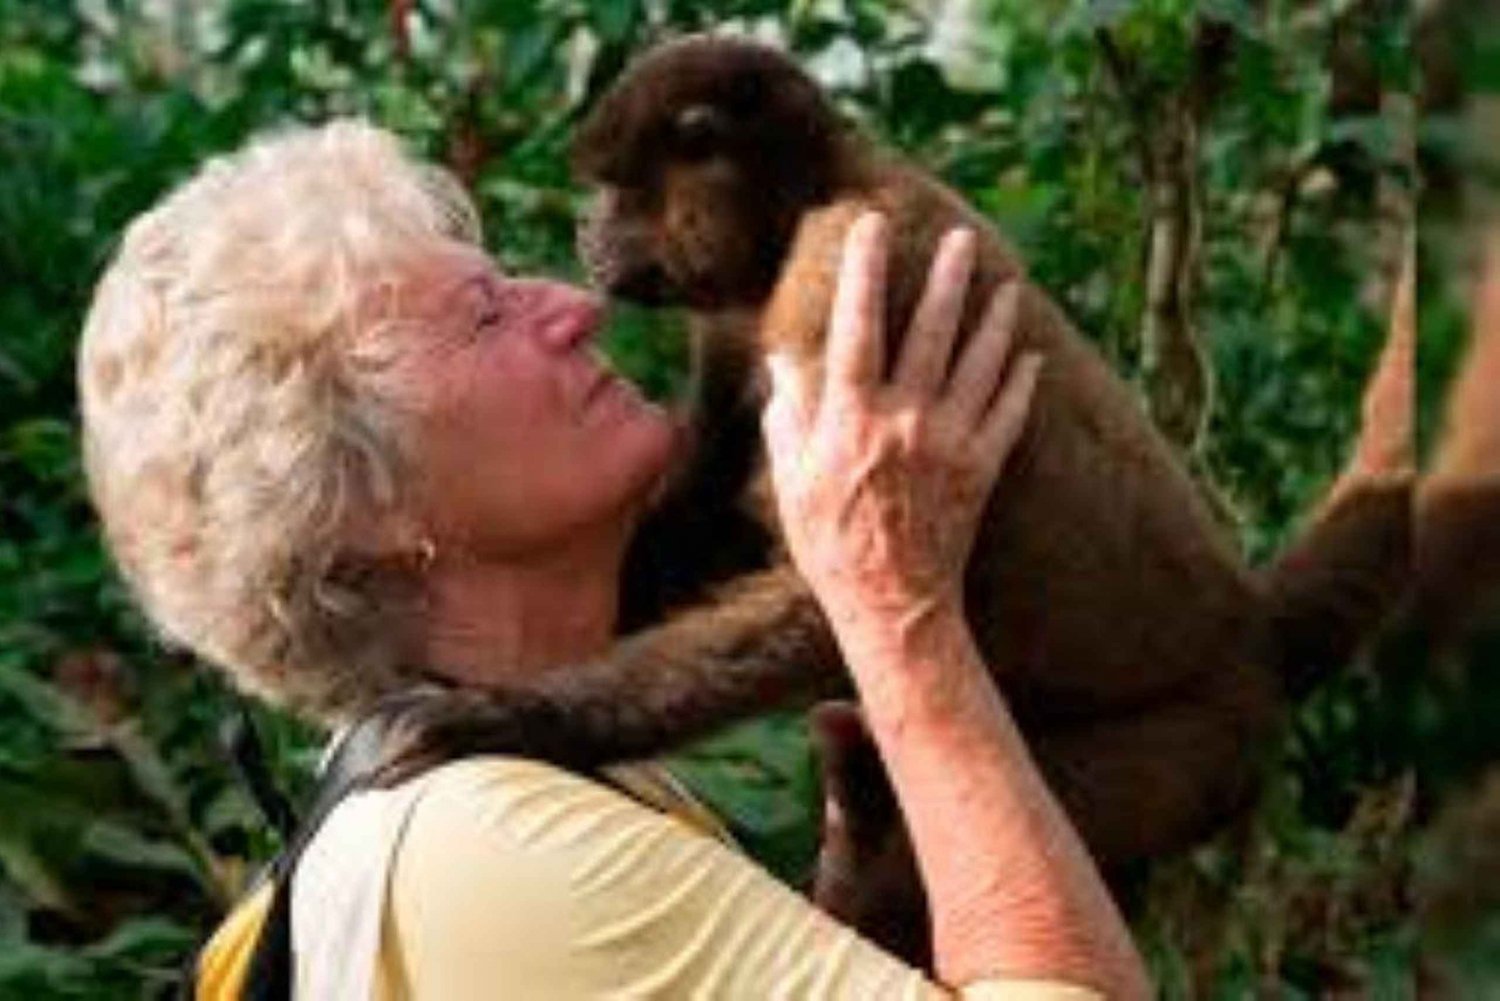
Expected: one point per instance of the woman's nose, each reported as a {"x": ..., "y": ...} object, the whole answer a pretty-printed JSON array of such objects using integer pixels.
[{"x": 562, "y": 316}]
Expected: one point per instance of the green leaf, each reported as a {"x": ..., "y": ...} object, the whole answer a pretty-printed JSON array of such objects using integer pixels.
[
  {"x": 615, "y": 20},
  {"x": 117, "y": 843},
  {"x": 146, "y": 939}
]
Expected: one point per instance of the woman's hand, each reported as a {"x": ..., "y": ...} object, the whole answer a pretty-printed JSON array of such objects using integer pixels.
[{"x": 881, "y": 482}]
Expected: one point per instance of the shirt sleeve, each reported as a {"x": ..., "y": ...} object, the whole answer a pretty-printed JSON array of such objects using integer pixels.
[{"x": 520, "y": 880}]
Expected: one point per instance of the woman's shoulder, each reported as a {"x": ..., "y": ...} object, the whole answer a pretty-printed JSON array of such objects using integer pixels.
[
  {"x": 508, "y": 793},
  {"x": 505, "y": 778},
  {"x": 501, "y": 791},
  {"x": 516, "y": 865}
]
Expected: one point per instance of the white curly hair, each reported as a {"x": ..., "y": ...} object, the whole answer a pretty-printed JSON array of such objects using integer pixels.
[{"x": 233, "y": 429}]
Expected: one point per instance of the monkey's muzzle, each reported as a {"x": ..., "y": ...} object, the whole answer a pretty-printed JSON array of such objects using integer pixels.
[{"x": 621, "y": 257}]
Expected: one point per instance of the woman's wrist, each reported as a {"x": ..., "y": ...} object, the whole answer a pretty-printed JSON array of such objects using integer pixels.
[
  {"x": 867, "y": 618},
  {"x": 1013, "y": 891},
  {"x": 915, "y": 660}
]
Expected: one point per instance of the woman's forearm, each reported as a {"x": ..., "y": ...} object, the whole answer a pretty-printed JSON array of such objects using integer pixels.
[
  {"x": 882, "y": 475},
  {"x": 1013, "y": 892}
]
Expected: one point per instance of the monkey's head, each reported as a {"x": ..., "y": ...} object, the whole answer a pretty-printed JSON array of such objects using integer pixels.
[{"x": 703, "y": 155}]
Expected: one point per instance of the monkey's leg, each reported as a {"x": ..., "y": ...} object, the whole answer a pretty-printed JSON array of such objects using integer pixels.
[
  {"x": 1136, "y": 787},
  {"x": 1154, "y": 782},
  {"x": 866, "y": 873}
]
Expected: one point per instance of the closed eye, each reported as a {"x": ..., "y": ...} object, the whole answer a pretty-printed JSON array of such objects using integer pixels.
[{"x": 486, "y": 303}]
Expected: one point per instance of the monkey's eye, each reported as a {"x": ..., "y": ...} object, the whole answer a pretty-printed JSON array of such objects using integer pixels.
[{"x": 700, "y": 131}]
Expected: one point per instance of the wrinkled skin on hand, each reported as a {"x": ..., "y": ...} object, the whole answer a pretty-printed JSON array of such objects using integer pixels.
[{"x": 881, "y": 482}]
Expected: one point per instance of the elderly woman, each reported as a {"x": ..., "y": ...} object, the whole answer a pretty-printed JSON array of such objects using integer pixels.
[{"x": 339, "y": 453}]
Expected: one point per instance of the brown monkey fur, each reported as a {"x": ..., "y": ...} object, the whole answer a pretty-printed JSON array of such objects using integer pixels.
[
  {"x": 1458, "y": 503},
  {"x": 1139, "y": 652},
  {"x": 1141, "y": 656},
  {"x": 1357, "y": 556}
]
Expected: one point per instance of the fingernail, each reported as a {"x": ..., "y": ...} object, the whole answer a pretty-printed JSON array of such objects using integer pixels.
[
  {"x": 960, "y": 238},
  {"x": 870, "y": 224}
]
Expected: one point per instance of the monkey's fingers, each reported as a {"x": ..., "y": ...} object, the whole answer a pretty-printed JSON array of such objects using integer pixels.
[
  {"x": 928, "y": 346},
  {"x": 977, "y": 377},
  {"x": 856, "y": 335}
]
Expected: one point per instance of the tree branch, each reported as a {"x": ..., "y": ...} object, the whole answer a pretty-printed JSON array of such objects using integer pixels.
[{"x": 398, "y": 11}]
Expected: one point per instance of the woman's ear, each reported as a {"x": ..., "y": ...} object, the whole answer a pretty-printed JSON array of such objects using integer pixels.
[{"x": 388, "y": 534}]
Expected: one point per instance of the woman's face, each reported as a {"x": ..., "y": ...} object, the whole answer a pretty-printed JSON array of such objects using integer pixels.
[{"x": 523, "y": 439}]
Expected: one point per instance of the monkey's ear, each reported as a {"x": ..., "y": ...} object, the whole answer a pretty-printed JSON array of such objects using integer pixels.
[{"x": 700, "y": 130}]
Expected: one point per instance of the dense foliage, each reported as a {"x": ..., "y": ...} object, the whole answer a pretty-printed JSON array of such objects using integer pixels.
[{"x": 1287, "y": 127}]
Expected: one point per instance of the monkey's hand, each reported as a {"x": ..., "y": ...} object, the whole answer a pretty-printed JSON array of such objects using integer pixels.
[{"x": 866, "y": 873}]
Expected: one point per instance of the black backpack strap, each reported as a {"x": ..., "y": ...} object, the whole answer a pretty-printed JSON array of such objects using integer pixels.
[
  {"x": 354, "y": 764},
  {"x": 247, "y": 755},
  {"x": 269, "y": 977},
  {"x": 358, "y": 761}
]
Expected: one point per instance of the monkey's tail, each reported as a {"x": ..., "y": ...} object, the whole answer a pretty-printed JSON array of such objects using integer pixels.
[
  {"x": 1347, "y": 572},
  {"x": 1353, "y": 565}
]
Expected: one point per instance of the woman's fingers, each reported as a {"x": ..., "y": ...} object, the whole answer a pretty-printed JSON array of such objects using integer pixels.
[
  {"x": 787, "y": 414},
  {"x": 929, "y": 341},
  {"x": 856, "y": 334},
  {"x": 1002, "y": 425},
  {"x": 791, "y": 396},
  {"x": 977, "y": 374}
]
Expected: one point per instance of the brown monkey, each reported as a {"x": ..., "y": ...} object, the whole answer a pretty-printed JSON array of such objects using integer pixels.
[
  {"x": 1139, "y": 653},
  {"x": 1134, "y": 644}
]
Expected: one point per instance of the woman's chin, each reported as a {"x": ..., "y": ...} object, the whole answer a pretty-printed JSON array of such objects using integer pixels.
[{"x": 665, "y": 450}]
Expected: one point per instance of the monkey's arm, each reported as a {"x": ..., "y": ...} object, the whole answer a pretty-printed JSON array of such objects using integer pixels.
[
  {"x": 1136, "y": 787},
  {"x": 703, "y": 532},
  {"x": 764, "y": 644}
]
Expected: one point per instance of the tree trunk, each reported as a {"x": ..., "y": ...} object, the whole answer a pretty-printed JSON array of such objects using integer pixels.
[{"x": 1174, "y": 366}]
